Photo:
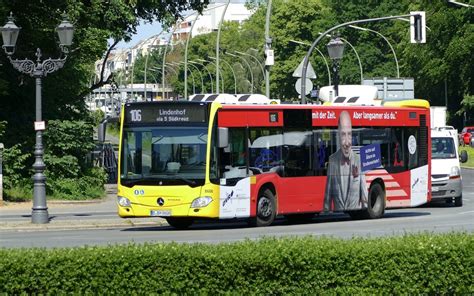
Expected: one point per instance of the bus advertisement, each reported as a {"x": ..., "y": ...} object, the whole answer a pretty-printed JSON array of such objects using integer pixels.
[{"x": 184, "y": 161}]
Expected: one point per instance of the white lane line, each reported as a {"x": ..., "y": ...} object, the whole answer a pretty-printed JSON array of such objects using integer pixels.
[{"x": 462, "y": 213}]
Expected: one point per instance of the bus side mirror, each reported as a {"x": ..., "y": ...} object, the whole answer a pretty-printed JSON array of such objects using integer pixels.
[
  {"x": 463, "y": 156},
  {"x": 223, "y": 137},
  {"x": 101, "y": 131}
]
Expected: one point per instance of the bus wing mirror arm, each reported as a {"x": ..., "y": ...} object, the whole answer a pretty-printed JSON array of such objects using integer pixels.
[
  {"x": 223, "y": 137},
  {"x": 101, "y": 130}
]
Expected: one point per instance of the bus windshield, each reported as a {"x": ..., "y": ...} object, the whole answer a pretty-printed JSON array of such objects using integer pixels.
[
  {"x": 442, "y": 148},
  {"x": 163, "y": 156}
]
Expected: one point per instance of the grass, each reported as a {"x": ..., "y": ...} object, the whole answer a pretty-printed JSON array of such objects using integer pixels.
[
  {"x": 470, "y": 156},
  {"x": 17, "y": 194}
]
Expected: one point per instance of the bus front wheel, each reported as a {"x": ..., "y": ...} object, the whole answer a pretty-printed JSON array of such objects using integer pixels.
[
  {"x": 266, "y": 209},
  {"x": 179, "y": 223}
]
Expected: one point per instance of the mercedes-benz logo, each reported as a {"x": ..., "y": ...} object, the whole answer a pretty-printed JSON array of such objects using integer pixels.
[{"x": 160, "y": 201}]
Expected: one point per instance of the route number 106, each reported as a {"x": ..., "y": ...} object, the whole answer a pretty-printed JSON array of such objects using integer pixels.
[{"x": 136, "y": 115}]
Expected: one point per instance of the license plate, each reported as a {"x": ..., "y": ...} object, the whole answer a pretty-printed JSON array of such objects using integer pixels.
[
  {"x": 160, "y": 213},
  {"x": 434, "y": 189}
]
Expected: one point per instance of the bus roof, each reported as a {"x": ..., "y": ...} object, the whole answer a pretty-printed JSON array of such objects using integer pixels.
[{"x": 237, "y": 99}]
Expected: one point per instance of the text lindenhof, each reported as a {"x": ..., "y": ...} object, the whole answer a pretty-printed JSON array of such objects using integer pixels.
[{"x": 170, "y": 115}]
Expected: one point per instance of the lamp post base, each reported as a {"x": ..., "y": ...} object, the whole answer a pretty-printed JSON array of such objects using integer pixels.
[{"x": 39, "y": 216}]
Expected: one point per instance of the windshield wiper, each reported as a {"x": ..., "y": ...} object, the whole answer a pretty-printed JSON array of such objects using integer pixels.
[{"x": 187, "y": 181}]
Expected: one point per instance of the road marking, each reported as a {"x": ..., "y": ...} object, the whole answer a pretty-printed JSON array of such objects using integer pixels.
[{"x": 462, "y": 213}]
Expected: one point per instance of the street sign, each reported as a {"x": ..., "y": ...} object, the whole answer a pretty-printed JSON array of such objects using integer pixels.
[
  {"x": 270, "y": 59},
  {"x": 309, "y": 71},
  {"x": 40, "y": 126},
  {"x": 309, "y": 86}
]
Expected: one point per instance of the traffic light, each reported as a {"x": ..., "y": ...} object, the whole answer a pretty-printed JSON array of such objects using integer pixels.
[{"x": 417, "y": 27}]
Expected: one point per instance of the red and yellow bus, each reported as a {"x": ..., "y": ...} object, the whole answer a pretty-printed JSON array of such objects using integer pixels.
[{"x": 198, "y": 160}]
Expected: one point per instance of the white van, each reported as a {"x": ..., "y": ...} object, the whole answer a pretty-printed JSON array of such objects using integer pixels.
[{"x": 446, "y": 180}]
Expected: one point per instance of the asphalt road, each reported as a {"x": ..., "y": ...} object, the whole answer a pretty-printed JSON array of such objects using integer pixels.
[{"x": 435, "y": 217}]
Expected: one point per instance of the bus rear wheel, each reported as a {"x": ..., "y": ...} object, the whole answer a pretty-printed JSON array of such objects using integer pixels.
[
  {"x": 375, "y": 206},
  {"x": 376, "y": 202},
  {"x": 179, "y": 223},
  {"x": 266, "y": 209}
]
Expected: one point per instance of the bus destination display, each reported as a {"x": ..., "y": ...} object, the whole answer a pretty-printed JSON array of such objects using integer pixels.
[{"x": 165, "y": 113}]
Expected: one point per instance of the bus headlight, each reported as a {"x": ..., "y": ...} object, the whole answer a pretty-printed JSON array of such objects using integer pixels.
[
  {"x": 455, "y": 173},
  {"x": 123, "y": 201},
  {"x": 201, "y": 202}
]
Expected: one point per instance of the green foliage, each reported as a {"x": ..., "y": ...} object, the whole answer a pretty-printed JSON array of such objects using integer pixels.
[
  {"x": 65, "y": 137},
  {"x": 19, "y": 193},
  {"x": 413, "y": 264},
  {"x": 89, "y": 186},
  {"x": 15, "y": 166},
  {"x": 97, "y": 116},
  {"x": 67, "y": 169}
]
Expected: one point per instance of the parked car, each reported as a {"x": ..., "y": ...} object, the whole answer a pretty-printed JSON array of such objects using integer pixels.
[
  {"x": 467, "y": 134},
  {"x": 446, "y": 179}
]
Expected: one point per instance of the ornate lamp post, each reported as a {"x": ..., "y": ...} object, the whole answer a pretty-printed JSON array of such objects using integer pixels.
[
  {"x": 336, "y": 51},
  {"x": 38, "y": 70}
]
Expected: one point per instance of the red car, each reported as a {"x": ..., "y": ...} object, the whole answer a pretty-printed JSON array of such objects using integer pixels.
[{"x": 466, "y": 134}]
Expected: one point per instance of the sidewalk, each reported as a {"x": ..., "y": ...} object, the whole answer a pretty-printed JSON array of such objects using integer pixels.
[{"x": 72, "y": 215}]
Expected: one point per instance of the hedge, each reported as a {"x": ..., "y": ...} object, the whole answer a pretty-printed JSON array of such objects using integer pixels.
[{"x": 412, "y": 264}]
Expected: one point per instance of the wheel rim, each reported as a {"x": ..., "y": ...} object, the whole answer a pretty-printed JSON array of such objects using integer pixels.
[{"x": 264, "y": 207}]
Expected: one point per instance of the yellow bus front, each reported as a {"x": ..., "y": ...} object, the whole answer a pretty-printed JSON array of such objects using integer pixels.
[{"x": 164, "y": 160}]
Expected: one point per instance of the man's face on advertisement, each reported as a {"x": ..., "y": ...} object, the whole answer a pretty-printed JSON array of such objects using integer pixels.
[{"x": 345, "y": 133}]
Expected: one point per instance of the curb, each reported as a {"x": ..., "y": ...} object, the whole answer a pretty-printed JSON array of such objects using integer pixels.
[{"x": 29, "y": 227}]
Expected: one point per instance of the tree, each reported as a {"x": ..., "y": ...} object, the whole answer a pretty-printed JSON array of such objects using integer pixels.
[{"x": 100, "y": 25}]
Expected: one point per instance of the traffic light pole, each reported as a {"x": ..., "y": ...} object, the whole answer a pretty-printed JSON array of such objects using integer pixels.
[{"x": 315, "y": 43}]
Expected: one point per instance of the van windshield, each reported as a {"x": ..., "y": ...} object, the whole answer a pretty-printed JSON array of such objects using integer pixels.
[{"x": 442, "y": 147}]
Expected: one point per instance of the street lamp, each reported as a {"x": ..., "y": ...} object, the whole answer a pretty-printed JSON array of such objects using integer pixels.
[
  {"x": 386, "y": 40},
  {"x": 38, "y": 70},
  {"x": 253, "y": 57},
  {"x": 200, "y": 74},
  {"x": 460, "y": 4},
  {"x": 355, "y": 52},
  {"x": 320, "y": 53},
  {"x": 268, "y": 50},
  {"x": 208, "y": 72},
  {"x": 231, "y": 69},
  {"x": 215, "y": 65},
  {"x": 217, "y": 47},
  {"x": 336, "y": 51},
  {"x": 248, "y": 65}
]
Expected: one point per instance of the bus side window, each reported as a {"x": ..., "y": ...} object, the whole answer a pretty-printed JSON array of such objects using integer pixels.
[{"x": 233, "y": 157}]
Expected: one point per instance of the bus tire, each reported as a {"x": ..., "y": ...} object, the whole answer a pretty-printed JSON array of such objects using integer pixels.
[
  {"x": 179, "y": 223},
  {"x": 266, "y": 209},
  {"x": 376, "y": 201},
  {"x": 458, "y": 201},
  {"x": 375, "y": 205}
]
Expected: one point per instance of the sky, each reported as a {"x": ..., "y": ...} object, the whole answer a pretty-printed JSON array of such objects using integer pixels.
[
  {"x": 144, "y": 31},
  {"x": 147, "y": 30}
]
